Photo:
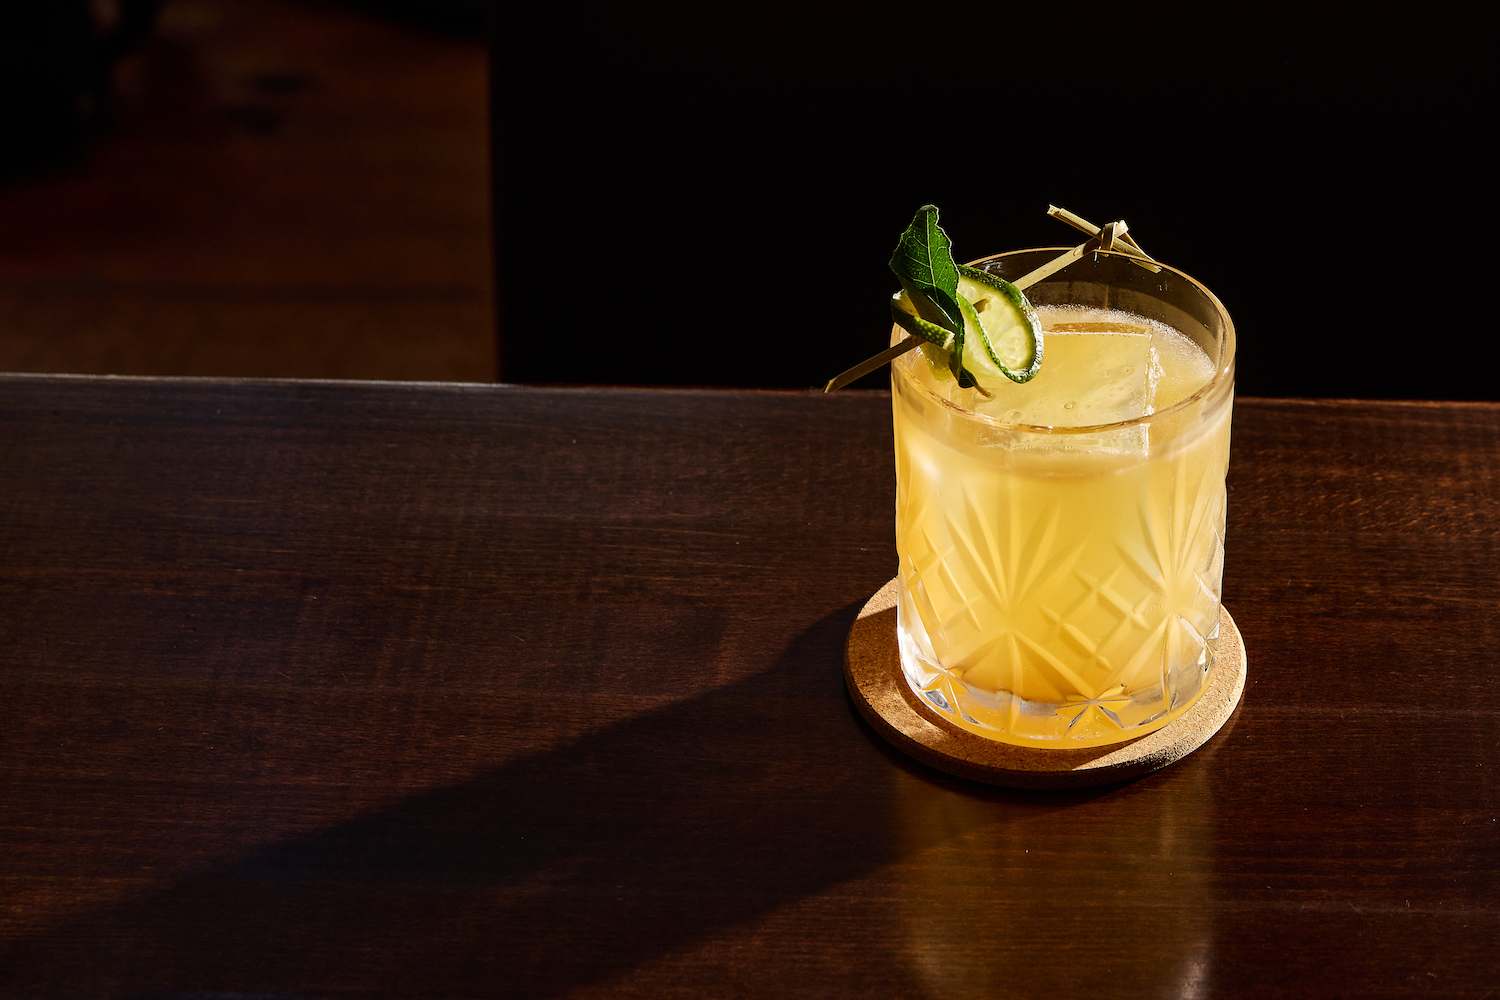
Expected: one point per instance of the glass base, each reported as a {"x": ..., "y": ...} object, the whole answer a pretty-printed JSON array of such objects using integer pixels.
[{"x": 1076, "y": 723}]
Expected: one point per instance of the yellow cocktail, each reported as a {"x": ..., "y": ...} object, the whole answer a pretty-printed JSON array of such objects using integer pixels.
[{"x": 1062, "y": 543}]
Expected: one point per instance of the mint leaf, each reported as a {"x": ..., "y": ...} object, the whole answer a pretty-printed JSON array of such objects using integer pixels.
[{"x": 923, "y": 262}]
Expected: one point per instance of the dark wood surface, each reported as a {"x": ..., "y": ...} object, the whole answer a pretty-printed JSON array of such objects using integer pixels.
[{"x": 358, "y": 689}]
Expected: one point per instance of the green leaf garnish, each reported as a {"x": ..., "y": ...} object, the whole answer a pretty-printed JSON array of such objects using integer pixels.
[
  {"x": 940, "y": 304},
  {"x": 923, "y": 263}
]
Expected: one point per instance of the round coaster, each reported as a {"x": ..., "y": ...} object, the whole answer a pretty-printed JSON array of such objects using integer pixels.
[{"x": 872, "y": 670}]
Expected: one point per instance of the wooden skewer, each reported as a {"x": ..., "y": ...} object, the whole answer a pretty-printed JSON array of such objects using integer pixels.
[
  {"x": 1084, "y": 225},
  {"x": 1058, "y": 263},
  {"x": 868, "y": 365}
]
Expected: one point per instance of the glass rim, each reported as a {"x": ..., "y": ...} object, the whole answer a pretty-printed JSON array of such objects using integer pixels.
[{"x": 1222, "y": 366}]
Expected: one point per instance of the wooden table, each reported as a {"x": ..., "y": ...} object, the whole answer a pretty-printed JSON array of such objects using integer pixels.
[{"x": 315, "y": 689}]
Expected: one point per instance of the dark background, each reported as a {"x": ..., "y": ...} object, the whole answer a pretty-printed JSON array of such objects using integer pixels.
[{"x": 708, "y": 194}]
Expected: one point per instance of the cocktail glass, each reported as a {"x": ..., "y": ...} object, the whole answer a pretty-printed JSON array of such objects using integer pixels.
[{"x": 1060, "y": 587}]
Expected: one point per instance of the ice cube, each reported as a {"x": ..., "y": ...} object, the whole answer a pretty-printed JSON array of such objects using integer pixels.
[{"x": 1087, "y": 377}]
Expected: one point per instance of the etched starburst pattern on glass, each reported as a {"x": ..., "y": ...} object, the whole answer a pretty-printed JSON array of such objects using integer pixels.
[{"x": 1048, "y": 606}]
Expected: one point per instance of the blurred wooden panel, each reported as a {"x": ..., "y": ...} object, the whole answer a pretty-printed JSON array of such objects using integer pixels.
[{"x": 292, "y": 189}]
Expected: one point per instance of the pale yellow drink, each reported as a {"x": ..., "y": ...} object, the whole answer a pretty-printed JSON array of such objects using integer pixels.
[{"x": 1061, "y": 545}]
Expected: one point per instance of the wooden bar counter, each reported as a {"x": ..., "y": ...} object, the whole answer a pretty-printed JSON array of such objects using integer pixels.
[{"x": 338, "y": 689}]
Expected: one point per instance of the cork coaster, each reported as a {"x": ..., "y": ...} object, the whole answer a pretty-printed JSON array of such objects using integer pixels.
[{"x": 872, "y": 670}]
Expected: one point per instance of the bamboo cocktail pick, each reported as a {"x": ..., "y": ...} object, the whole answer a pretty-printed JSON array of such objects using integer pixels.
[
  {"x": 1113, "y": 237},
  {"x": 1082, "y": 224}
]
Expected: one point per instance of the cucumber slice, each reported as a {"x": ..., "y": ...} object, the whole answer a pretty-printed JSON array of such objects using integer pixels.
[
  {"x": 1002, "y": 335},
  {"x": 904, "y": 312}
]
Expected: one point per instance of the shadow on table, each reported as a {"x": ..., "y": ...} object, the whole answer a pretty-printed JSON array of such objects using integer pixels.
[{"x": 552, "y": 872}]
